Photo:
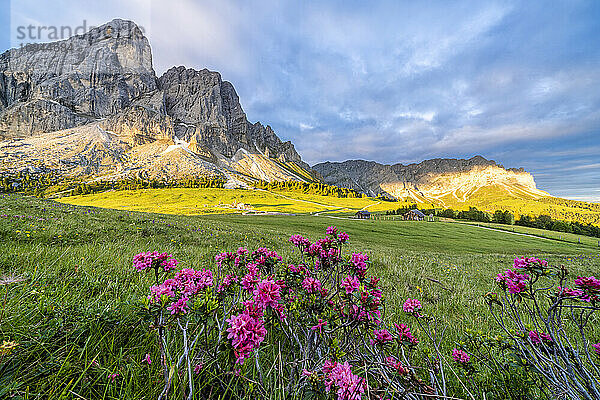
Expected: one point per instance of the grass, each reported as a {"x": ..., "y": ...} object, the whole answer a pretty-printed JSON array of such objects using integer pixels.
[
  {"x": 78, "y": 300},
  {"x": 186, "y": 201},
  {"x": 542, "y": 233}
]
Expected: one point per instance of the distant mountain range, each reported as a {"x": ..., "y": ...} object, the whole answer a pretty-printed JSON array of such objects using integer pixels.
[{"x": 438, "y": 181}]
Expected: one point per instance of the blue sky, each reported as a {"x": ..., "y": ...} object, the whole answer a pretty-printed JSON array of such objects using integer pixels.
[{"x": 391, "y": 81}]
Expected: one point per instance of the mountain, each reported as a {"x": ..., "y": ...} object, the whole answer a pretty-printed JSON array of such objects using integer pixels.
[
  {"x": 92, "y": 106},
  {"x": 443, "y": 182}
]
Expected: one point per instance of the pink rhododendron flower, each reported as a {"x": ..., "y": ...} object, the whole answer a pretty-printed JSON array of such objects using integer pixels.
[
  {"x": 331, "y": 230},
  {"x": 596, "y": 348},
  {"x": 351, "y": 284},
  {"x": 460, "y": 356},
  {"x": 198, "y": 368},
  {"x": 249, "y": 281},
  {"x": 147, "y": 359},
  {"x": 167, "y": 288},
  {"x": 359, "y": 264},
  {"x": 179, "y": 307},
  {"x": 114, "y": 376},
  {"x": 350, "y": 386},
  {"x": 153, "y": 259},
  {"x": 311, "y": 285},
  {"x": 267, "y": 294},
  {"x": 300, "y": 242},
  {"x": 539, "y": 337},
  {"x": 529, "y": 262},
  {"x": 514, "y": 281},
  {"x": 405, "y": 334},
  {"x": 319, "y": 326},
  {"x": 566, "y": 292},
  {"x": 382, "y": 336},
  {"x": 411, "y": 305},
  {"x": 190, "y": 282},
  {"x": 219, "y": 258},
  {"x": 590, "y": 286},
  {"x": 246, "y": 334},
  {"x": 227, "y": 282},
  {"x": 343, "y": 237}
]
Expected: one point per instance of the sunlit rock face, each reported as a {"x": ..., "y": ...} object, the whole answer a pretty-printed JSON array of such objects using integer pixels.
[
  {"x": 96, "y": 100},
  {"x": 440, "y": 181}
]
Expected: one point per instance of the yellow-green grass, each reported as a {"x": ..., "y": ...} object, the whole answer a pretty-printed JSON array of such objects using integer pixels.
[{"x": 186, "y": 201}]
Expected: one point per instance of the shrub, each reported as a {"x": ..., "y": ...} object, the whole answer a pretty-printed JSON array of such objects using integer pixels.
[
  {"x": 316, "y": 327},
  {"x": 547, "y": 325}
]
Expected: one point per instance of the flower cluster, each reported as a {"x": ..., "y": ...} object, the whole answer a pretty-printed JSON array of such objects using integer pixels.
[
  {"x": 267, "y": 294},
  {"x": 382, "y": 336},
  {"x": 300, "y": 241},
  {"x": 460, "y": 356},
  {"x": 514, "y": 281},
  {"x": 596, "y": 348},
  {"x": 246, "y": 333},
  {"x": 325, "y": 299},
  {"x": 590, "y": 287},
  {"x": 530, "y": 263},
  {"x": 351, "y": 284},
  {"x": 154, "y": 259},
  {"x": 539, "y": 337},
  {"x": 411, "y": 305},
  {"x": 396, "y": 365},
  {"x": 178, "y": 290},
  {"x": 404, "y": 334},
  {"x": 358, "y": 263},
  {"x": 349, "y": 386},
  {"x": 311, "y": 285}
]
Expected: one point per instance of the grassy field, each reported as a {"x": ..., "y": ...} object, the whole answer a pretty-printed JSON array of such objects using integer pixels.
[
  {"x": 70, "y": 296},
  {"x": 542, "y": 233},
  {"x": 186, "y": 201}
]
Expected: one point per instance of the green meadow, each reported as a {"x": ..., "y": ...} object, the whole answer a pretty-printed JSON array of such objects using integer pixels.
[{"x": 70, "y": 297}]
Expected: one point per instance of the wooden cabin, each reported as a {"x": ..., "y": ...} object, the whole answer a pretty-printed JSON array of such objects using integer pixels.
[
  {"x": 414, "y": 215},
  {"x": 363, "y": 214}
]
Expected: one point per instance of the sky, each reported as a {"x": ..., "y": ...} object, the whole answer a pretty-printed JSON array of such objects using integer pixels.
[{"x": 390, "y": 81}]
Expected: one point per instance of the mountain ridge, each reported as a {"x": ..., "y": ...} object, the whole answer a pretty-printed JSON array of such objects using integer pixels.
[
  {"x": 442, "y": 180},
  {"x": 103, "y": 83}
]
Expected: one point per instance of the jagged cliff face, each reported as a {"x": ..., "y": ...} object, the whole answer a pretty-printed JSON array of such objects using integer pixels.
[
  {"x": 439, "y": 181},
  {"x": 100, "y": 91}
]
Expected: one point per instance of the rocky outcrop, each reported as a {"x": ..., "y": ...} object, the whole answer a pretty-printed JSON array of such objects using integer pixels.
[
  {"x": 105, "y": 79},
  {"x": 207, "y": 110},
  {"x": 437, "y": 181},
  {"x": 91, "y": 76}
]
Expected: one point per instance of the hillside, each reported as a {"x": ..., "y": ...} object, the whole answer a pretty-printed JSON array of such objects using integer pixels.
[
  {"x": 459, "y": 184},
  {"x": 95, "y": 108}
]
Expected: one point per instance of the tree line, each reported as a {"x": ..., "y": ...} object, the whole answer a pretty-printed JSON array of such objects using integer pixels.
[
  {"x": 315, "y": 188},
  {"x": 46, "y": 184},
  {"x": 507, "y": 218}
]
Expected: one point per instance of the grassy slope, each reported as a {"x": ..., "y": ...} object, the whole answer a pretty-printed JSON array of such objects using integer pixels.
[
  {"x": 77, "y": 303},
  {"x": 209, "y": 201}
]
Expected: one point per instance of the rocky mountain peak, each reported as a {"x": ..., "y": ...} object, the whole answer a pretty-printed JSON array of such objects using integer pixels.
[{"x": 105, "y": 77}]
